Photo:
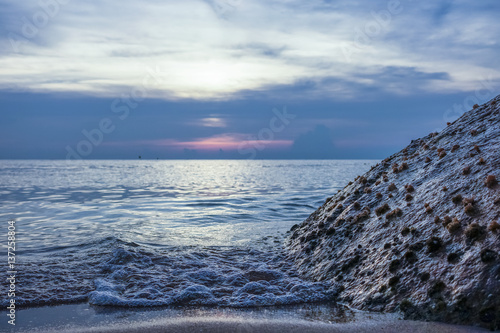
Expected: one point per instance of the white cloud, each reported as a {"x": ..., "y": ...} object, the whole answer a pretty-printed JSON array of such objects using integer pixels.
[{"x": 106, "y": 48}]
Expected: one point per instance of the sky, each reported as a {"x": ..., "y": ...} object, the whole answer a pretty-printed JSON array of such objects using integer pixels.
[{"x": 260, "y": 79}]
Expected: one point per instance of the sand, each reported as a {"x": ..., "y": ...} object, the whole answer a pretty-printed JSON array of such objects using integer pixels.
[
  {"x": 220, "y": 325},
  {"x": 301, "y": 318}
]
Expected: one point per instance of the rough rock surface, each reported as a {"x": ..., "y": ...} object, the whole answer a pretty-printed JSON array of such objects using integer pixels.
[{"x": 418, "y": 232}]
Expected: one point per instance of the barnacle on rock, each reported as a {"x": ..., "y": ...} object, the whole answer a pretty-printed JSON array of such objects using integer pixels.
[
  {"x": 446, "y": 220},
  {"x": 442, "y": 154},
  {"x": 474, "y": 231},
  {"x": 410, "y": 256},
  {"x": 469, "y": 209},
  {"x": 404, "y": 166},
  {"x": 467, "y": 201},
  {"x": 437, "y": 220},
  {"x": 491, "y": 181},
  {"x": 454, "y": 225},
  {"x": 436, "y": 288},
  {"x": 473, "y": 132},
  {"x": 476, "y": 148},
  {"x": 394, "y": 265},
  {"x": 390, "y": 196},
  {"x": 392, "y": 187},
  {"x": 367, "y": 190},
  {"x": 382, "y": 209},
  {"x": 365, "y": 214},
  {"x": 393, "y": 280},
  {"x": 330, "y": 230},
  {"x": 455, "y": 148},
  {"x": 445, "y": 188},
  {"x": 466, "y": 170},
  {"x": 408, "y": 197},
  {"x": 488, "y": 255},
  {"x": 427, "y": 159},
  {"x": 405, "y": 231},
  {"x": 481, "y": 161},
  {"x": 457, "y": 199},
  {"x": 409, "y": 188},
  {"x": 428, "y": 209},
  {"x": 425, "y": 276},
  {"x": 494, "y": 226},
  {"x": 356, "y": 205},
  {"x": 475, "y": 106},
  {"x": 452, "y": 257},
  {"x": 395, "y": 213},
  {"x": 434, "y": 244},
  {"x": 378, "y": 195}
]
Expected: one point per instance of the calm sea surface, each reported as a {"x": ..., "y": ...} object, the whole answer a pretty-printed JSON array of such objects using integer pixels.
[{"x": 147, "y": 233}]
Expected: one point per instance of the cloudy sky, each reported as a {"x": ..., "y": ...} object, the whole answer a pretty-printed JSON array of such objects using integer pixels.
[{"x": 239, "y": 78}]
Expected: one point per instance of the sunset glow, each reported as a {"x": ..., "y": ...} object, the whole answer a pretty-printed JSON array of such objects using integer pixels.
[{"x": 229, "y": 142}]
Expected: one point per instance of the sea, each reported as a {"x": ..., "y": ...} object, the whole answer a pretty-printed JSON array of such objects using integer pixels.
[{"x": 146, "y": 233}]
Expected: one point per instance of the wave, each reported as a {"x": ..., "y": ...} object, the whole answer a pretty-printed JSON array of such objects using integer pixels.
[{"x": 116, "y": 272}]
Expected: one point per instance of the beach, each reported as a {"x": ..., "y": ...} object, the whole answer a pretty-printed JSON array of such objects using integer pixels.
[{"x": 304, "y": 318}]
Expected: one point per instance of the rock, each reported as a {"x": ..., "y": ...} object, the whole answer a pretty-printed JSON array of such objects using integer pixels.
[{"x": 434, "y": 253}]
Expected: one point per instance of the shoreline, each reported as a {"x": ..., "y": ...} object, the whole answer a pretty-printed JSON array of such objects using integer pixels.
[{"x": 299, "y": 318}]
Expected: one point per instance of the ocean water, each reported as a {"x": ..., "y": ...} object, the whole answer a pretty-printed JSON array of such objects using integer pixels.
[{"x": 155, "y": 233}]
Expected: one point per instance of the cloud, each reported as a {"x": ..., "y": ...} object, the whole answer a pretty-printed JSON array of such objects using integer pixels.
[
  {"x": 373, "y": 126},
  {"x": 222, "y": 48},
  {"x": 225, "y": 142},
  {"x": 212, "y": 122}
]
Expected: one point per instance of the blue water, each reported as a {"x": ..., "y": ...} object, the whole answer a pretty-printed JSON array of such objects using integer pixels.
[{"x": 152, "y": 233}]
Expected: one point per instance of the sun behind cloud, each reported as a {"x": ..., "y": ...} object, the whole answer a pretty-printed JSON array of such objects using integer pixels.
[{"x": 207, "y": 54}]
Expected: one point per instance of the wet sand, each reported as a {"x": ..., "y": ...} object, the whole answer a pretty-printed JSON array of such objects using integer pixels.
[
  {"x": 230, "y": 325},
  {"x": 301, "y": 318}
]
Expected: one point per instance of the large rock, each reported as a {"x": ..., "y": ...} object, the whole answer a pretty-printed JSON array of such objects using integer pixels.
[{"x": 418, "y": 232}]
